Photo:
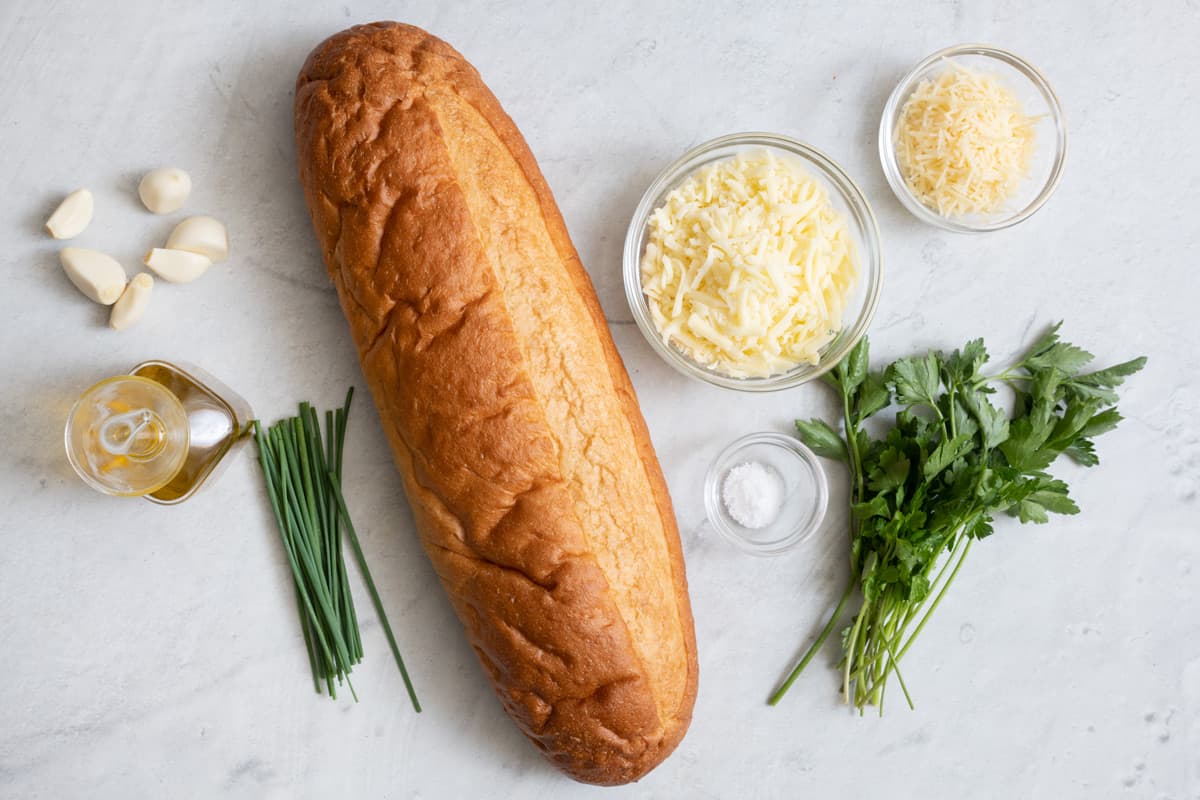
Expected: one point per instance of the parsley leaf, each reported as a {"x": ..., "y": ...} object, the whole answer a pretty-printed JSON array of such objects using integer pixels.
[
  {"x": 853, "y": 368},
  {"x": 822, "y": 439},
  {"x": 1083, "y": 452},
  {"x": 1066, "y": 358},
  {"x": 890, "y": 470},
  {"x": 945, "y": 454},
  {"x": 1103, "y": 422},
  {"x": 1099, "y": 385},
  {"x": 873, "y": 396},
  {"x": 1023, "y": 447},
  {"x": 963, "y": 365},
  {"x": 916, "y": 380},
  {"x": 993, "y": 426},
  {"x": 1052, "y": 497}
]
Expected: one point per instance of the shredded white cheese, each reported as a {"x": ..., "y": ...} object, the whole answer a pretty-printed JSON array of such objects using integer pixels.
[
  {"x": 963, "y": 142},
  {"x": 748, "y": 266}
]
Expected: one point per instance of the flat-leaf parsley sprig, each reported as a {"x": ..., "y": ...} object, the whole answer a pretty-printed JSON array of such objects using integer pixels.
[{"x": 931, "y": 486}]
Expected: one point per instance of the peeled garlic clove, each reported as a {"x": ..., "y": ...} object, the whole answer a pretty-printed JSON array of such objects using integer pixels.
[
  {"x": 132, "y": 303},
  {"x": 203, "y": 235},
  {"x": 177, "y": 266},
  {"x": 97, "y": 275},
  {"x": 72, "y": 215},
  {"x": 165, "y": 189}
]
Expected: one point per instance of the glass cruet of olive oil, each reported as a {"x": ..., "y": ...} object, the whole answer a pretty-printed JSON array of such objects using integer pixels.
[
  {"x": 159, "y": 432},
  {"x": 127, "y": 436}
]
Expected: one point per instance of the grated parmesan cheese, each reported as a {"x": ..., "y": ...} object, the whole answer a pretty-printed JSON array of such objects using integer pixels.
[
  {"x": 748, "y": 266},
  {"x": 963, "y": 142}
]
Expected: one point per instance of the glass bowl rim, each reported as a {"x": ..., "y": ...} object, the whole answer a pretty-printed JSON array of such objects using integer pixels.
[
  {"x": 904, "y": 87},
  {"x": 870, "y": 266}
]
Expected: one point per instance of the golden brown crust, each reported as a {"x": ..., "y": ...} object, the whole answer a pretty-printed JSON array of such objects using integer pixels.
[{"x": 510, "y": 416}]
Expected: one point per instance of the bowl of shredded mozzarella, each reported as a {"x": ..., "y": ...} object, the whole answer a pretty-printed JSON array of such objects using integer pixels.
[
  {"x": 753, "y": 263},
  {"x": 973, "y": 139}
]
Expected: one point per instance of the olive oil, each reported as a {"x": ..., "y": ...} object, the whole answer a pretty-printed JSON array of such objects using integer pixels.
[
  {"x": 217, "y": 419},
  {"x": 127, "y": 436},
  {"x": 159, "y": 432}
]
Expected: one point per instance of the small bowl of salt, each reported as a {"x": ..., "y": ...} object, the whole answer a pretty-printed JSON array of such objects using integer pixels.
[{"x": 766, "y": 493}]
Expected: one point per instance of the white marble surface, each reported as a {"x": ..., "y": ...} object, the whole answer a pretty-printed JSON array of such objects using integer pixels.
[{"x": 153, "y": 652}]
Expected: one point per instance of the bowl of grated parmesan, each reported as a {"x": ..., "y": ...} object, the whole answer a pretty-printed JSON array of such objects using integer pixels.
[
  {"x": 973, "y": 139},
  {"x": 753, "y": 263}
]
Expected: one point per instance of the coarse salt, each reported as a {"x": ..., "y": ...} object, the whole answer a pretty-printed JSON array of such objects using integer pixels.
[{"x": 752, "y": 494}]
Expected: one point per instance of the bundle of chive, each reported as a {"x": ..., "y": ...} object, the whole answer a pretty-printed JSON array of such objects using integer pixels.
[{"x": 304, "y": 483}]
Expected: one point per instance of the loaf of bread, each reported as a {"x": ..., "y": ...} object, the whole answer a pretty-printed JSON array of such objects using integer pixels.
[{"x": 510, "y": 416}]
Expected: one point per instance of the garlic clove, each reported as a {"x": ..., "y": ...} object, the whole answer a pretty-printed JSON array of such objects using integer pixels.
[
  {"x": 165, "y": 189},
  {"x": 133, "y": 301},
  {"x": 177, "y": 266},
  {"x": 203, "y": 235},
  {"x": 72, "y": 215},
  {"x": 96, "y": 274}
]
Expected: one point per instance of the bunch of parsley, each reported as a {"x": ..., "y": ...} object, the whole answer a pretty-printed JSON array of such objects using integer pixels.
[{"x": 933, "y": 484}]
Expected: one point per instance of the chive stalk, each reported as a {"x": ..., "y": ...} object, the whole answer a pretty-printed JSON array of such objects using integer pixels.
[
  {"x": 362, "y": 565},
  {"x": 302, "y": 467}
]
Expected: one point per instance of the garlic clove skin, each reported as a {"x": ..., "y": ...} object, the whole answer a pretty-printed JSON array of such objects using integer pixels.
[
  {"x": 98, "y": 275},
  {"x": 133, "y": 301},
  {"x": 177, "y": 266},
  {"x": 72, "y": 216},
  {"x": 165, "y": 189},
  {"x": 203, "y": 235}
]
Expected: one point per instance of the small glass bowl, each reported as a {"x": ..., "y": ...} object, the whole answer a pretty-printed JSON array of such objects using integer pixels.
[
  {"x": 845, "y": 196},
  {"x": 806, "y": 493},
  {"x": 1039, "y": 101}
]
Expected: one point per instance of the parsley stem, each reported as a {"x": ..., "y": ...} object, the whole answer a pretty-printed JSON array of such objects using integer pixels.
[
  {"x": 1007, "y": 376},
  {"x": 855, "y": 646},
  {"x": 894, "y": 664},
  {"x": 953, "y": 416},
  {"x": 855, "y": 462},
  {"x": 889, "y": 637},
  {"x": 914, "y": 610},
  {"x": 900, "y": 621},
  {"x": 936, "y": 600},
  {"x": 809, "y": 654},
  {"x": 874, "y": 657}
]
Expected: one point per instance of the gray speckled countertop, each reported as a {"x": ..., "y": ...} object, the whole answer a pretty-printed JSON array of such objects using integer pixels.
[{"x": 153, "y": 652}]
